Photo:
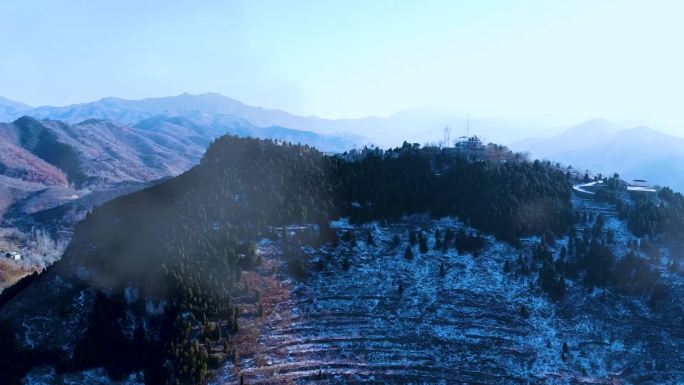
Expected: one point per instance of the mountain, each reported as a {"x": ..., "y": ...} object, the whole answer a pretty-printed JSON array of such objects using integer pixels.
[
  {"x": 203, "y": 109},
  {"x": 54, "y": 172},
  {"x": 95, "y": 153},
  {"x": 142, "y": 269},
  {"x": 574, "y": 138},
  {"x": 423, "y": 124},
  {"x": 604, "y": 147},
  {"x": 270, "y": 263},
  {"x": 426, "y": 125},
  {"x": 132, "y": 111},
  {"x": 196, "y": 125},
  {"x": 99, "y": 153},
  {"x": 60, "y": 163},
  {"x": 10, "y": 110}
]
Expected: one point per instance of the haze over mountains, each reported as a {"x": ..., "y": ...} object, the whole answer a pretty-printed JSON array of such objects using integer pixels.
[
  {"x": 53, "y": 173},
  {"x": 57, "y": 163},
  {"x": 96, "y": 154},
  {"x": 10, "y": 109},
  {"x": 423, "y": 124},
  {"x": 583, "y": 146},
  {"x": 115, "y": 140},
  {"x": 420, "y": 124},
  {"x": 606, "y": 147},
  {"x": 214, "y": 106}
]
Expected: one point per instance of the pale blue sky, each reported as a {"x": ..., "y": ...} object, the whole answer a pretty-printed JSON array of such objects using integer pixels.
[{"x": 619, "y": 60}]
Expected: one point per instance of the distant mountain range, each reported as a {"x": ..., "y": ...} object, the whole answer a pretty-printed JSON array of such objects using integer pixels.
[
  {"x": 99, "y": 154},
  {"x": 112, "y": 141},
  {"x": 48, "y": 163},
  {"x": 56, "y": 163},
  {"x": 133, "y": 111},
  {"x": 210, "y": 108},
  {"x": 424, "y": 124},
  {"x": 9, "y": 109},
  {"x": 606, "y": 147}
]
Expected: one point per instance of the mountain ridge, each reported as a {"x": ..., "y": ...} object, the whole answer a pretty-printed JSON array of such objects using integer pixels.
[
  {"x": 53, "y": 172},
  {"x": 417, "y": 124},
  {"x": 9, "y": 109},
  {"x": 604, "y": 147}
]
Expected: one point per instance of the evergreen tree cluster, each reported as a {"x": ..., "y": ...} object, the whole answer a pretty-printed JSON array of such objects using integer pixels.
[
  {"x": 509, "y": 199},
  {"x": 589, "y": 257},
  {"x": 186, "y": 242},
  {"x": 653, "y": 216},
  {"x": 551, "y": 273}
]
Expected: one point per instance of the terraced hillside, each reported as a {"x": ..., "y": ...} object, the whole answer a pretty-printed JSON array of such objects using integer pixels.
[{"x": 473, "y": 323}]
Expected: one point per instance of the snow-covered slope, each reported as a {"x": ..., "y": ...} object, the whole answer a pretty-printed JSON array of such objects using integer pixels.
[{"x": 475, "y": 323}]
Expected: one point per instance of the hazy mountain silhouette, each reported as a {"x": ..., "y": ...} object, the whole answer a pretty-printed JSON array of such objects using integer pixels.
[
  {"x": 9, "y": 109},
  {"x": 49, "y": 163},
  {"x": 422, "y": 124},
  {"x": 605, "y": 147}
]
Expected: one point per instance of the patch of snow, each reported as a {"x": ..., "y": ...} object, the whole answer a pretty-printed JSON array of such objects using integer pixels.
[
  {"x": 131, "y": 294},
  {"x": 155, "y": 307},
  {"x": 580, "y": 187},
  {"x": 640, "y": 188}
]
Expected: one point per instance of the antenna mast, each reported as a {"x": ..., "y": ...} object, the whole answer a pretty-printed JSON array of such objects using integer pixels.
[
  {"x": 447, "y": 136},
  {"x": 468, "y": 126}
]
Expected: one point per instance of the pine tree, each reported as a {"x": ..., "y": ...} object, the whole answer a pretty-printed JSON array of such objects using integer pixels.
[
  {"x": 369, "y": 240},
  {"x": 395, "y": 241},
  {"x": 422, "y": 240},
  {"x": 438, "y": 239},
  {"x": 408, "y": 253}
]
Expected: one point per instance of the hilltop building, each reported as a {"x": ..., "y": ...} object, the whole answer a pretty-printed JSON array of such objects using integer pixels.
[
  {"x": 13, "y": 255},
  {"x": 640, "y": 185}
]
